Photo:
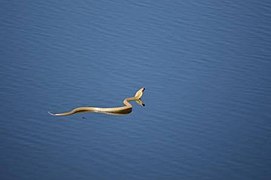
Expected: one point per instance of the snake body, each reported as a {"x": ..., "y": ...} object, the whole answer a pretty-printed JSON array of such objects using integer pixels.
[{"x": 127, "y": 108}]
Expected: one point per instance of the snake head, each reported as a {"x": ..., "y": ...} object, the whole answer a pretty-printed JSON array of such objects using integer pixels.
[{"x": 139, "y": 93}]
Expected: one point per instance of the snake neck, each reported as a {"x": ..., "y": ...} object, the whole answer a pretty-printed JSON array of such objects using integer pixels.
[{"x": 126, "y": 101}]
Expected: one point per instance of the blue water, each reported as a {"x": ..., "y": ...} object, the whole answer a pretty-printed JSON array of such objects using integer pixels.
[{"x": 205, "y": 65}]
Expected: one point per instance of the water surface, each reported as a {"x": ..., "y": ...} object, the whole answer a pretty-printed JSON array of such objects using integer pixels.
[{"x": 206, "y": 70}]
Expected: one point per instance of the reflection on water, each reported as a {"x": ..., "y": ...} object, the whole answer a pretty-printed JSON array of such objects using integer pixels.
[{"x": 205, "y": 65}]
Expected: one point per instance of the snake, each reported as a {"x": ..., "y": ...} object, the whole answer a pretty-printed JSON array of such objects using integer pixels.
[{"x": 125, "y": 109}]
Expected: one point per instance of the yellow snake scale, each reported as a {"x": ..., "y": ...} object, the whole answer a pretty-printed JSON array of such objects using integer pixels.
[{"x": 127, "y": 108}]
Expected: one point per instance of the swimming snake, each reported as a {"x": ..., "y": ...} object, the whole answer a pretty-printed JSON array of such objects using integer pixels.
[{"x": 126, "y": 109}]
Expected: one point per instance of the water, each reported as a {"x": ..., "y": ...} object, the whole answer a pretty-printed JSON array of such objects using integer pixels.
[{"x": 206, "y": 70}]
